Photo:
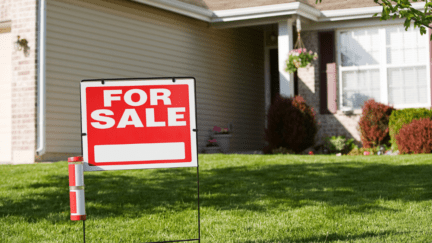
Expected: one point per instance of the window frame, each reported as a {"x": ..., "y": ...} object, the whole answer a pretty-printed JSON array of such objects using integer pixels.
[{"x": 383, "y": 66}]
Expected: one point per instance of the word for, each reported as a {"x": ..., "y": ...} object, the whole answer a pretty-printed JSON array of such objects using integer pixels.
[{"x": 130, "y": 116}]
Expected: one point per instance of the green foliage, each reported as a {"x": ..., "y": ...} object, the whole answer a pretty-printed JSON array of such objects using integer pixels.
[
  {"x": 393, "y": 9},
  {"x": 404, "y": 9},
  {"x": 399, "y": 118},
  {"x": 299, "y": 58},
  {"x": 349, "y": 145},
  {"x": 337, "y": 144},
  {"x": 360, "y": 151}
]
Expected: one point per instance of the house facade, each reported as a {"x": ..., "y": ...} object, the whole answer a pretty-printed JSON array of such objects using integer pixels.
[{"x": 236, "y": 50}]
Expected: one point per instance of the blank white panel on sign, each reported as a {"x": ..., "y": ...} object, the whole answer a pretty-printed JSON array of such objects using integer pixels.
[{"x": 139, "y": 152}]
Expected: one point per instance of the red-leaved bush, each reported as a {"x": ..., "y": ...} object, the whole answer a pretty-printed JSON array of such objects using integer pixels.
[
  {"x": 373, "y": 124},
  {"x": 291, "y": 124},
  {"x": 415, "y": 137}
]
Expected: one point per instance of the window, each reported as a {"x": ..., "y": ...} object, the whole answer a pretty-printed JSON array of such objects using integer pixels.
[{"x": 388, "y": 64}]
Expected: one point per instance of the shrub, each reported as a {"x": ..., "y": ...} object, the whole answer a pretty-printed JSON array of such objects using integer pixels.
[
  {"x": 415, "y": 137},
  {"x": 373, "y": 124},
  {"x": 399, "y": 118},
  {"x": 336, "y": 144},
  {"x": 291, "y": 124}
]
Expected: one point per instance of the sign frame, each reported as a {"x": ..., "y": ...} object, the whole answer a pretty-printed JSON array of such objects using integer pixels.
[{"x": 127, "y": 82}]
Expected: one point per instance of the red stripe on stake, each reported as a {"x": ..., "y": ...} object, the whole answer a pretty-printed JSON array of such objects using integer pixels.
[
  {"x": 75, "y": 159},
  {"x": 76, "y": 190},
  {"x": 73, "y": 202},
  {"x": 78, "y": 217},
  {"x": 71, "y": 175}
]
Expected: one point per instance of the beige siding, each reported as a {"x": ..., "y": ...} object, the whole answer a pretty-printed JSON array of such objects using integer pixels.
[
  {"x": 96, "y": 39},
  {"x": 5, "y": 95}
]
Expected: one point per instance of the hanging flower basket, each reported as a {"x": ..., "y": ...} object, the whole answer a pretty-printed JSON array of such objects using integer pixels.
[{"x": 299, "y": 58}]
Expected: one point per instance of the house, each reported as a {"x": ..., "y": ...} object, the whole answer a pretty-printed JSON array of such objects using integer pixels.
[{"x": 236, "y": 50}]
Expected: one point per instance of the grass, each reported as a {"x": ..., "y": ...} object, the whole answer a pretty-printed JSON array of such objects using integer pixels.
[{"x": 244, "y": 198}]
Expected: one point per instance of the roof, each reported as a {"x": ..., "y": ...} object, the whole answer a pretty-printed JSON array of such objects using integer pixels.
[{"x": 215, "y": 5}]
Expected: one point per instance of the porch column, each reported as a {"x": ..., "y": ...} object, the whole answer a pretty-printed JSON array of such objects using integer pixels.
[{"x": 285, "y": 44}]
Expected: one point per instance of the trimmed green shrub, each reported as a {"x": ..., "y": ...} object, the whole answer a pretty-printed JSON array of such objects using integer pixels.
[
  {"x": 399, "y": 118},
  {"x": 373, "y": 124},
  {"x": 291, "y": 124},
  {"x": 337, "y": 144},
  {"x": 415, "y": 137}
]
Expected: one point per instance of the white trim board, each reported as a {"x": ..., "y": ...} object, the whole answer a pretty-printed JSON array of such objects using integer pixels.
[
  {"x": 180, "y": 8},
  {"x": 266, "y": 11},
  {"x": 353, "y": 23}
]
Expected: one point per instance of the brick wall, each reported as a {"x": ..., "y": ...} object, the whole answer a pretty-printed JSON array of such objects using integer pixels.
[
  {"x": 5, "y": 10},
  {"x": 308, "y": 77},
  {"x": 330, "y": 124},
  {"x": 23, "y": 14},
  {"x": 337, "y": 125}
]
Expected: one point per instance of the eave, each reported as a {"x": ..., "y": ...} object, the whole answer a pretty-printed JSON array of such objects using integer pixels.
[{"x": 265, "y": 14}]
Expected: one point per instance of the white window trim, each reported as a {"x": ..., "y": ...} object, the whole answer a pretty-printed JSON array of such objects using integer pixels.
[{"x": 383, "y": 69}]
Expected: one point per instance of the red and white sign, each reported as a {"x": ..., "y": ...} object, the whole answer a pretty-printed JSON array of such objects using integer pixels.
[{"x": 137, "y": 124}]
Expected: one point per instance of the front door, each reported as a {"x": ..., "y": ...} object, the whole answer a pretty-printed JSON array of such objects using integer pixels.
[{"x": 274, "y": 73}]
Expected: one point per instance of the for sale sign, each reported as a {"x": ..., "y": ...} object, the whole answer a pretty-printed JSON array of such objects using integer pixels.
[{"x": 138, "y": 123}]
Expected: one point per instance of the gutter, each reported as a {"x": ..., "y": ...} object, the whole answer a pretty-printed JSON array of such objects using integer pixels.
[
  {"x": 182, "y": 8},
  {"x": 41, "y": 81},
  {"x": 266, "y": 12}
]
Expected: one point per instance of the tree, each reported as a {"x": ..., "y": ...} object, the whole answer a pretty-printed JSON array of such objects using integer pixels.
[{"x": 403, "y": 9}]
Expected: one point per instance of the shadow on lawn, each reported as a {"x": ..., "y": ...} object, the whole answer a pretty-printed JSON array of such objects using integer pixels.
[
  {"x": 354, "y": 186},
  {"x": 330, "y": 238},
  {"x": 107, "y": 194}
]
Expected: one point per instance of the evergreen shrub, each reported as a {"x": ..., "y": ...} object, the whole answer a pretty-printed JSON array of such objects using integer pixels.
[
  {"x": 291, "y": 124},
  {"x": 374, "y": 124},
  {"x": 415, "y": 137},
  {"x": 399, "y": 118}
]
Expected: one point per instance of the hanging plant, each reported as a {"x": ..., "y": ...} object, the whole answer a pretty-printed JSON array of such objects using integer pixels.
[{"x": 299, "y": 57}]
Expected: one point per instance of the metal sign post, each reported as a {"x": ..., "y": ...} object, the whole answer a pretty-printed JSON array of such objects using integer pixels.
[{"x": 138, "y": 123}]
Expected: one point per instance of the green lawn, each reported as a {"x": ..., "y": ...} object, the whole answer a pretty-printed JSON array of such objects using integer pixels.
[{"x": 244, "y": 198}]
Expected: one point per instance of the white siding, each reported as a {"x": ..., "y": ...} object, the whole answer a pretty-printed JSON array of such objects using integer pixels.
[
  {"x": 95, "y": 41},
  {"x": 6, "y": 48}
]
